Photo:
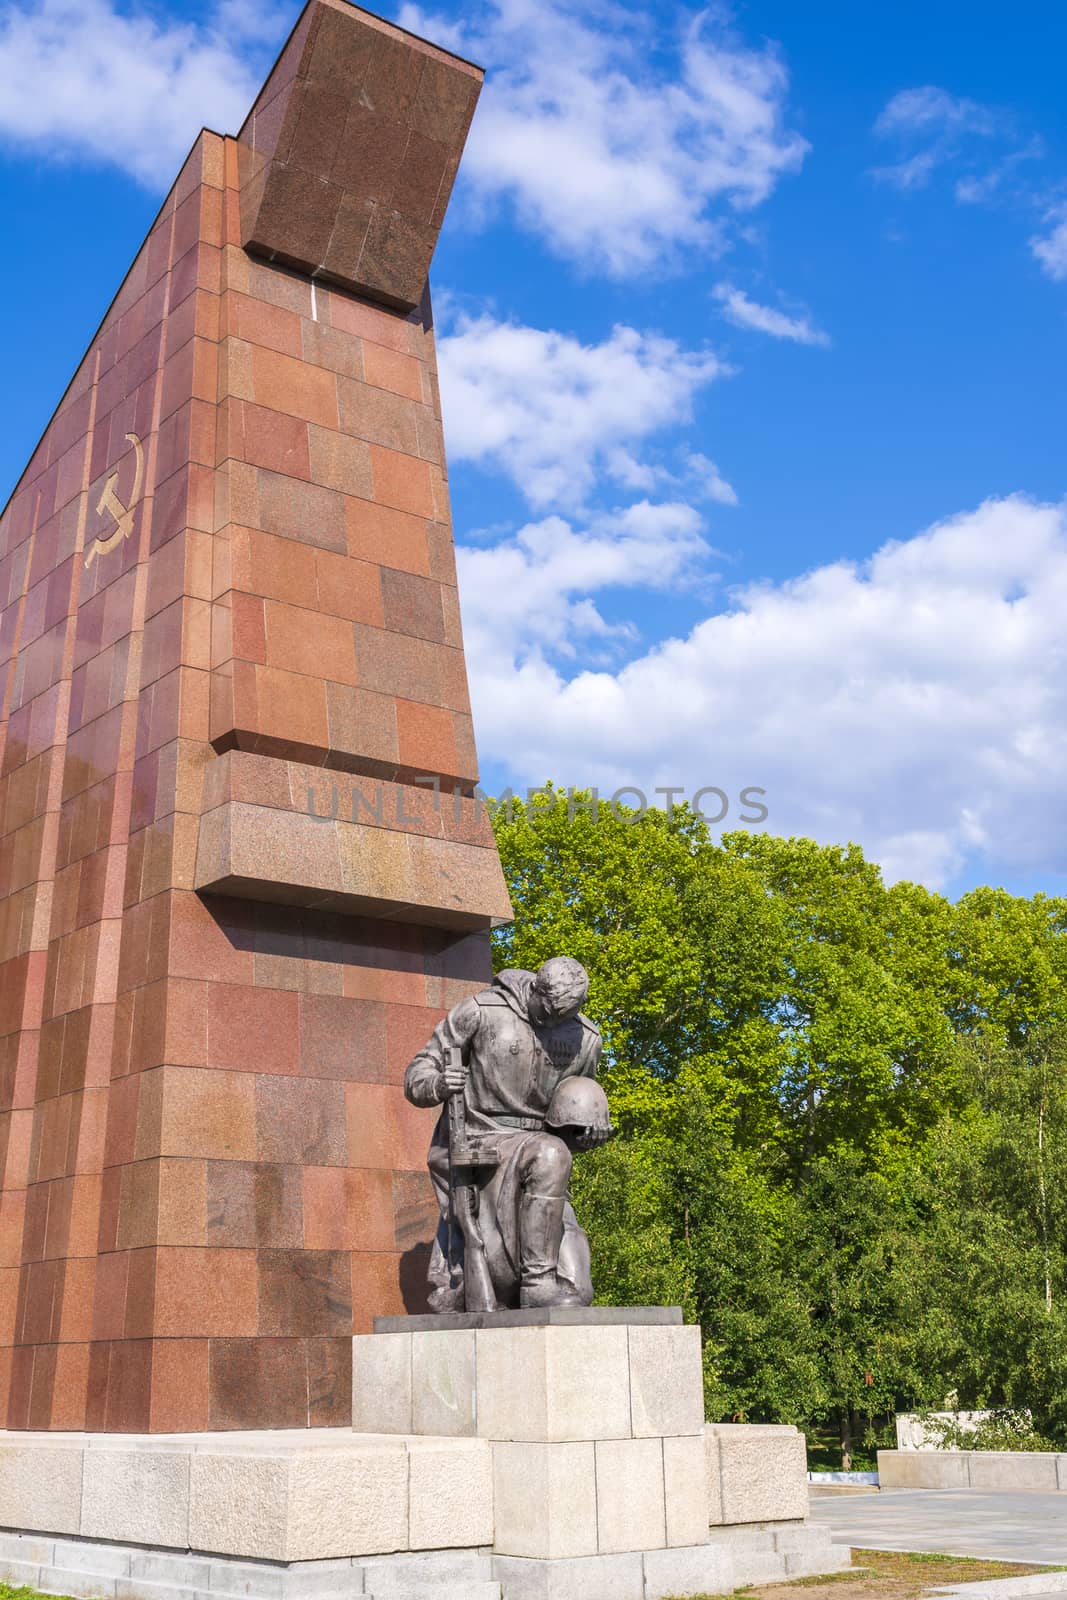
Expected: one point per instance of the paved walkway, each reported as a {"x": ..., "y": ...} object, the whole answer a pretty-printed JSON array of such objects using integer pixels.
[{"x": 1009, "y": 1525}]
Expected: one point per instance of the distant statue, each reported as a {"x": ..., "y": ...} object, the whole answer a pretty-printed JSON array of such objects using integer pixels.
[{"x": 515, "y": 1067}]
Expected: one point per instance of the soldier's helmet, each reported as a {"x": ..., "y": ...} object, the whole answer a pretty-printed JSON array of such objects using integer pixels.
[{"x": 577, "y": 1104}]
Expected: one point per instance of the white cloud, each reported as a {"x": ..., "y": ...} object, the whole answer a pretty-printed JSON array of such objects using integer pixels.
[
  {"x": 914, "y": 173},
  {"x": 531, "y": 595},
  {"x": 553, "y": 413},
  {"x": 931, "y": 110},
  {"x": 1051, "y": 248},
  {"x": 916, "y": 702},
  {"x": 745, "y": 313},
  {"x": 708, "y": 482},
  {"x": 80, "y": 80},
  {"x": 616, "y": 164},
  {"x": 944, "y": 123}
]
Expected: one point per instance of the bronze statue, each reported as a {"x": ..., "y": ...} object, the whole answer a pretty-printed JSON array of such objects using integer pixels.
[{"x": 515, "y": 1068}]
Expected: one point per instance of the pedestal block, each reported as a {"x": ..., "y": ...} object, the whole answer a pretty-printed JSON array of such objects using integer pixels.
[{"x": 605, "y": 1479}]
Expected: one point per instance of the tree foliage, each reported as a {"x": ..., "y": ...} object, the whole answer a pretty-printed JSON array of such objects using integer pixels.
[{"x": 842, "y": 1111}]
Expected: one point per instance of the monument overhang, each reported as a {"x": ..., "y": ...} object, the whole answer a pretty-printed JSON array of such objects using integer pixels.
[{"x": 348, "y": 157}]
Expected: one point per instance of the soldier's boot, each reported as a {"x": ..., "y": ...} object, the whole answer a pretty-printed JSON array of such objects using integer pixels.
[{"x": 541, "y": 1233}]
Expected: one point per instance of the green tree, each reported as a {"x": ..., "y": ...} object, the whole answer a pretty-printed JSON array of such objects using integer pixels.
[{"x": 842, "y": 1111}]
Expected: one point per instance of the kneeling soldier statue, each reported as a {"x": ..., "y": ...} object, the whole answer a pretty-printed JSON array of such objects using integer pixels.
[{"x": 515, "y": 1070}]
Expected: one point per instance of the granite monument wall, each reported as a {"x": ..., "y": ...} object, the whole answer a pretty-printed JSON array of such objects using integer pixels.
[{"x": 232, "y": 673}]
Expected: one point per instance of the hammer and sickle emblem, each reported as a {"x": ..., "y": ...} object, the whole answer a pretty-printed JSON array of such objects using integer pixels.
[{"x": 110, "y": 502}]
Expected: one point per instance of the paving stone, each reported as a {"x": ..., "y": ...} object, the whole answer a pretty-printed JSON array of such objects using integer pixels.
[
  {"x": 392, "y": 1575},
  {"x": 20, "y": 1572},
  {"x": 583, "y": 1578},
  {"x": 159, "y": 1566},
  {"x": 77, "y": 1555},
  {"x": 699, "y": 1569},
  {"x": 27, "y": 1547},
  {"x": 1007, "y": 1525},
  {"x": 62, "y": 1580}
]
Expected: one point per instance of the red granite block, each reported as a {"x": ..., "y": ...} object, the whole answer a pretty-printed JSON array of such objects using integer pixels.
[
  {"x": 138, "y": 1206},
  {"x": 389, "y": 369},
  {"x": 19, "y": 1394},
  {"x": 268, "y": 439},
  {"x": 304, "y": 1292},
  {"x": 362, "y": 725},
  {"x": 365, "y": 982},
  {"x": 190, "y": 374},
  {"x": 207, "y": 1113},
  {"x": 12, "y": 1220},
  {"x": 380, "y": 416},
  {"x": 332, "y": 348},
  {"x": 342, "y": 1038},
  {"x": 129, "y": 1386},
  {"x": 97, "y": 1391},
  {"x": 396, "y": 664},
  {"x": 383, "y": 1130},
  {"x": 254, "y": 1205},
  {"x": 300, "y": 1120},
  {"x": 70, "y": 1385},
  {"x": 196, "y": 317},
  {"x": 297, "y": 510},
  {"x": 201, "y": 945},
  {"x": 42, "y": 1384},
  {"x": 180, "y": 1395},
  {"x": 329, "y": 1366},
  {"x": 10, "y": 1278},
  {"x": 376, "y": 1288},
  {"x": 252, "y": 1030},
  {"x": 270, "y": 326},
  {"x": 258, "y": 1383},
  {"x": 348, "y": 588},
  {"x": 205, "y": 1293},
  {"x": 182, "y": 1211},
  {"x": 427, "y": 739},
  {"x": 317, "y": 644},
  {"x": 401, "y": 481},
  {"x": 109, "y": 1295},
  {"x": 347, "y": 1209},
  {"x": 415, "y": 1210},
  {"x": 72, "y": 1317},
  {"x": 276, "y": 568},
  {"x": 141, "y": 1286},
  {"x": 285, "y": 383},
  {"x": 413, "y": 604}
]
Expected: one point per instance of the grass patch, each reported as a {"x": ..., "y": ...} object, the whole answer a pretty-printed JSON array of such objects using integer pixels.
[
  {"x": 888, "y": 1575},
  {"x": 22, "y": 1591}
]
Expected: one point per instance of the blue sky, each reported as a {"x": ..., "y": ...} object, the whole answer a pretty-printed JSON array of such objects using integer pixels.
[{"x": 751, "y": 327}]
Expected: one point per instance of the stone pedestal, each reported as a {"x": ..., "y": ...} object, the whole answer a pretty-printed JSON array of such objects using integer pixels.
[
  {"x": 605, "y": 1479},
  {"x": 526, "y": 1456}
]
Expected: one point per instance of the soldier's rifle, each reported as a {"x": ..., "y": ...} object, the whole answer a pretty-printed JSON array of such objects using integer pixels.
[{"x": 478, "y": 1292}]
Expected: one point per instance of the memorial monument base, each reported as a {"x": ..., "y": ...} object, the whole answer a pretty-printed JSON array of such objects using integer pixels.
[{"x": 530, "y": 1455}]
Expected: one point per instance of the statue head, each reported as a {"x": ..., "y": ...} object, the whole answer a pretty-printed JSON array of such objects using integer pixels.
[{"x": 559, "y": 990}]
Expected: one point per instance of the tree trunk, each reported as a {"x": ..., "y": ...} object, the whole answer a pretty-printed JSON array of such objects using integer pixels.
[
  {"x": 1043, "y": 1193},
  {"x": 845, "y": 1416}
]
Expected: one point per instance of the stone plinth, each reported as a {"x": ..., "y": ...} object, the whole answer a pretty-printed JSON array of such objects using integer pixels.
[
  {"x": 606, "y": 1480},
  {"x": 549, "y": 1455},
  {"x": 231, "y": 674},
  {"x": 307, "y": 1495},
  {"x": 972, "y": 1469}
]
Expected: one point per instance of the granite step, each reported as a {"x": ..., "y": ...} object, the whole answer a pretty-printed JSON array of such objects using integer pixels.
[{"x": 438, "y": 1591}]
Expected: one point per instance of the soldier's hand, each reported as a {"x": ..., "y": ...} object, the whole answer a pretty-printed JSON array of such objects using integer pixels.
[
  {"x": 453, "y": 1079},
  {"x": 596, "y": 1134}
]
